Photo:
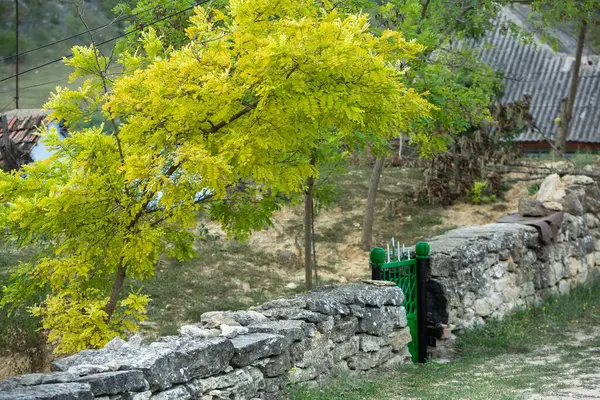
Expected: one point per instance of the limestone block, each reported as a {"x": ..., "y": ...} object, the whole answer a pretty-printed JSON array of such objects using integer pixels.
[
  {"x": 574, "y": 266},
  {"x": 171, "y": 361},
  {"x": 115, "y": 382},
  {"x": 577, "y": 180},
  {"x": 274, "y": 366},
  {"x": 552, "y": 189},
  {"x": 468, "y": 299},
  {"x": 193, "y": 330},
  {"x": 292, "y": 330},
  {"x": 563, "y": 287},
  {"x": 482, "y": 308},
  {"x": 294, "y": 313},
  {"x": 318, "y": 354},
  {"x": 254, "y": 346},
  {"x": 531, "y": 208},
  {"x": 346, "y": 349},
  {"x": 327, "y": 325},
  {"x": 176, "y": 393},
  {"x": 344, "y": 329},
  {"x": 370, "y": 343},
  {"x": 214, "y": 319},
  {"x": 364, "y": 361},
  {"x": 591, "y": 220},
  {"x": 224, "y": 381},
  {"x": 382, "y": 321},
  {"x": 232, "y": 331},
  {"x": 400, "y": 339},
  {"x": 66, "y": 391},
  {"x": 527, "y": 289}
]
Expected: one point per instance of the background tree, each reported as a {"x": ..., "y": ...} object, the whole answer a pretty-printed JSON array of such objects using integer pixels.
[
  {"x": 457, "y": 83},
  {"x": 583, "y": 13}
]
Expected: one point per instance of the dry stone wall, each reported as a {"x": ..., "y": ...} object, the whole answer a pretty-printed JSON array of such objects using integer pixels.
[
  {"x": 487, "y": 271},
  {"x": 238, "y": 355}
]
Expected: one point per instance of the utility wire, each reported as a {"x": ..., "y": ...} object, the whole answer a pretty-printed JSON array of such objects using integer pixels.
[
  {"x": 36, "y": 85},
  {"x": 82, "y": 33},
  {"x": 104, "y": 42},
  {"x": 6, "y": 106}
]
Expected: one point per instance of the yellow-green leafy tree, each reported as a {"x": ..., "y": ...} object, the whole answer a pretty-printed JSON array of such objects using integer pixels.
[{"x": 247, "y": 100}]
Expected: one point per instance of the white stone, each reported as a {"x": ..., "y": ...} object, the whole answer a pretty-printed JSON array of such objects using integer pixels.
[
  {"x": 510, "y": 295},
  {"x": 469, "y": 299},
  {"x": 142, "y": 395},
  {"x": 232, "y": 331},
  {"x": 136, "y": 340},
  {"x": 591, "y": 220},
  {"x": 499, "y": 270},
  {"x": 563, "y": 287},
  {"x": 559, "y": 270},
  {"x": 577, "y": 180},
  {"x": 194, "y": 331},
  {"x": 482, "y": 308},
  {"x": 527, "y": 289},
  {"x": 494, "y": 300},
  {"x": 553, "y": 205},
  {"x": 552, "y": 190},
  {"x": 574, "y": 266},
  {"x": 115, "y": 344}
]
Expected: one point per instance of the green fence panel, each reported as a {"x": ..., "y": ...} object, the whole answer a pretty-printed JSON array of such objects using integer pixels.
[
  {"x": 404, "y": 274},
  {"x": 410, "y": 275}
]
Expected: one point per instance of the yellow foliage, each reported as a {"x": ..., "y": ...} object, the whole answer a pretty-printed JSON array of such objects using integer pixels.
[{"x": 249, "y": 99}]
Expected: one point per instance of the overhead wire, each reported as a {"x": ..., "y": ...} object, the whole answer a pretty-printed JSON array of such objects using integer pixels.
[
  {"x": 104, "y": 42},
  {"x": 6, "y": 106},
  {"x": 98, "y": 28}
]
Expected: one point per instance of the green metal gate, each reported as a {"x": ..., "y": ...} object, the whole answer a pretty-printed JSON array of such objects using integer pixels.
[{"x": 410, "y": 275}]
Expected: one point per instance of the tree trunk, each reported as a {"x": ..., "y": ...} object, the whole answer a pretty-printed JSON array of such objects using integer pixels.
[
  {"x": 367, "y": 239},
  {"x": 9, "y": 154},
  {"x": 562, "y": 129},
  {"x": 308, "y": 229},
  {"x": 424, "y": 6},
  {"x": 563, "y": 126},
  {"x": 400, "y": 145},
  {"x": 116, "y": 291},
  {"x": 457, "y": 185}
]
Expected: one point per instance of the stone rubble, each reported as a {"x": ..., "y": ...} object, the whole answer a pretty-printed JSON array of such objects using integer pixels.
[
  {"x": 254, "y": 354},
  {"x": 488, "y": 271},
  {"x": 479, "y": 272}
]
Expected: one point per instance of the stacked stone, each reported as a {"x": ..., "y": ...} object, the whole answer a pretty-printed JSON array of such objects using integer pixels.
[
  {"x": 239, "y": 355},
  {"x": 487, "y": 271}
]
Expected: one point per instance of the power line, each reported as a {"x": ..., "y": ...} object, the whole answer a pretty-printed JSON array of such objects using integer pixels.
[
  {"x": 37, "y": 85},
  {"x": 82, "y": 33},
  {"x": 6, "y": 106},
  {"x": 104, "y": 42}
]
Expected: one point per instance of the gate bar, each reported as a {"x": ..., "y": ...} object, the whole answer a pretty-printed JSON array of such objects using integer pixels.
[{"x": 422, "y": 249}]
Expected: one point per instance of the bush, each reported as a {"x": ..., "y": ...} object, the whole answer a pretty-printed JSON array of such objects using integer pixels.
[
  {"x": 19, "y": 330},
  {"x": 480, "y": 193},
  {"x": 533, "y": 188},
  {"x": 476, "y": 160}
]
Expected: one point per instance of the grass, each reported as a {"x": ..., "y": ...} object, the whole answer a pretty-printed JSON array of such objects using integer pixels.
[
  {"x": 508, "y": 359},
  {"x": 225, "y": 276},
  {"x": 396, "y": 213}
]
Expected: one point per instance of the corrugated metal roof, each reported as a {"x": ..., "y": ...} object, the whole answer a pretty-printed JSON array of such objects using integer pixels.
[
  {"x": 24, "y": 131},
  {"x": 537, "y": 71}
]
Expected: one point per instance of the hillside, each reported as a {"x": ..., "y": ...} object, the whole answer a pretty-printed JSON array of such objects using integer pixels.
[{"x": 40, "y": 23}]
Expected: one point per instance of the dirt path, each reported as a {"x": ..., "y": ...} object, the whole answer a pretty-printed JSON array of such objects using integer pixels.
[{"x": 567, "y": 369}]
